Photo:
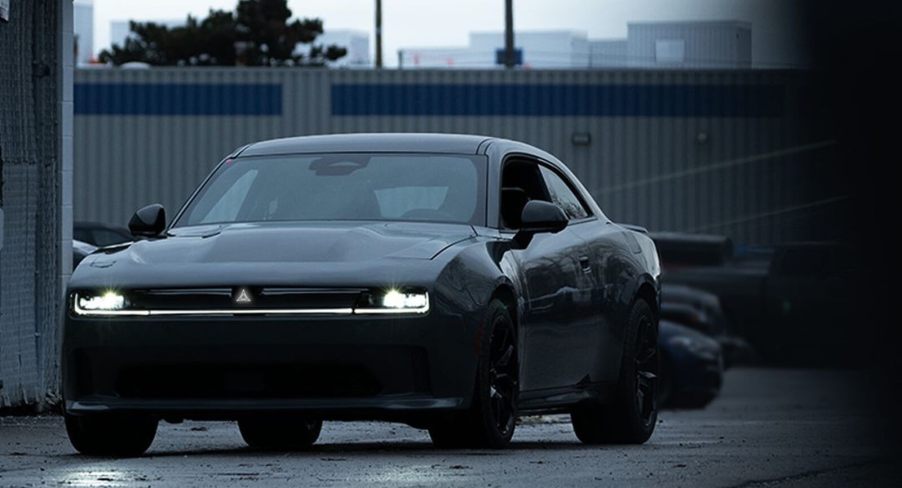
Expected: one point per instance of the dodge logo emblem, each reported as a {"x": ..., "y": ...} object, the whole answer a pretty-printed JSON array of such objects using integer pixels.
[{"x": 242, "y": 296}]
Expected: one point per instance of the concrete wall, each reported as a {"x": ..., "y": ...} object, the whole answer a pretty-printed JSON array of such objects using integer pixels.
[
  {"x": 726, "y": 152},
  {"x": 36, "y": 67}
]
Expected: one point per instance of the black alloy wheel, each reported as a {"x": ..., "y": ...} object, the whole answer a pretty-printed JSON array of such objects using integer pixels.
[
  {"x": 630, "y": 416},
  {"x": 502, "y": 377},
  {"x": 647, "y": 367},
  {"x": 491, "y": 420}
]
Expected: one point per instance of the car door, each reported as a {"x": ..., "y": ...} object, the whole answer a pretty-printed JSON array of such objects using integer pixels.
[
  {"x": 579, "y": 337},
  {"x": 612, "y": 252},
  {"x": 554, "y": 283}
]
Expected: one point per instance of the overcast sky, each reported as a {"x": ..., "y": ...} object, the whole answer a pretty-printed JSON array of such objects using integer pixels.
[{"x": 412, "y": 23}]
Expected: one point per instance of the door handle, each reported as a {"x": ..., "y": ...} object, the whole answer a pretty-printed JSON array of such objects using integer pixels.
[{"x": 585, "y": 263}]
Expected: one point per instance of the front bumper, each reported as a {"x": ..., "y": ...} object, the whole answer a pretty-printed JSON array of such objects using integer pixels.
[{"x": 228, "y": 366}]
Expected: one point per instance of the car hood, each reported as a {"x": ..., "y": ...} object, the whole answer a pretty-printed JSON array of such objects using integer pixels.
[{"x": 269, "y": 252}]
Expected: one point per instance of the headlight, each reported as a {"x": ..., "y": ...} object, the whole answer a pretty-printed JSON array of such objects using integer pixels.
[
  {"x": 396, "y": 301},
  {"x": 107, "y": 303}
]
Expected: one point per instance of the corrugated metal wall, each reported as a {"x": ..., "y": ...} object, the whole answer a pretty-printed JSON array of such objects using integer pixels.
[
  {"x": 707, "y": 44},
  {"x": 711, "y": 151},
  {"x": 35, "y": 143}
]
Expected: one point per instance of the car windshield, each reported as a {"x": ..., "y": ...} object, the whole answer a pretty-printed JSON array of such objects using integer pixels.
[{"x": 343, "y": 186}]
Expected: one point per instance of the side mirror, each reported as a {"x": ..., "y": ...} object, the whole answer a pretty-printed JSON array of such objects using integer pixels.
[
  {"x": 539, "y": 217},
  {"x": 149, "y": 221}
]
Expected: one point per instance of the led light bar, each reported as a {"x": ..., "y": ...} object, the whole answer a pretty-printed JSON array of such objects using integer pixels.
[{"x": 111, "y": 304}]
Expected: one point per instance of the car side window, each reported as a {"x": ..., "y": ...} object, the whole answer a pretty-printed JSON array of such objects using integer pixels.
[
  {"x": 521, "y": 181},
  {"x": 563, "y": 196}
]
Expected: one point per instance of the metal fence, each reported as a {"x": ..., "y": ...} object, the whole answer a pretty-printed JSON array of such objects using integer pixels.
[
  {"x": 709, "y": 151},
  {"x": 35, "y": 195}
]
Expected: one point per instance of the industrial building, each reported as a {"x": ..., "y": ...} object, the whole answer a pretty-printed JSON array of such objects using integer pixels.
[
  {"x": 699, "y": 151},
  {"x": 536, "y": 49},
  {"x": 662, "y": 45},
  {"x": 688, "y": 45}
]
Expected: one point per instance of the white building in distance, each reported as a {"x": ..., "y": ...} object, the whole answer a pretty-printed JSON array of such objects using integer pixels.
[
  {"x": 535, "y": 49},
  {"x": 678, "y": 45},
  {"x": 696, "y": 44},
  {"x": 83, "y": 26}
]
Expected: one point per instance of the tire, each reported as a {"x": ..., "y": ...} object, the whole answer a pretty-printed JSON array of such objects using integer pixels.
[
  {"x": 491, "y": 420},
  {"x": 280, "y": 433},
  {"x": 631, "y": 415},
  {"x": 110, "y": 435}
]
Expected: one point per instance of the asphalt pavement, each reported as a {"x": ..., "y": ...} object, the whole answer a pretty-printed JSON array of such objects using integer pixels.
[{"x": 770, "y": 427}]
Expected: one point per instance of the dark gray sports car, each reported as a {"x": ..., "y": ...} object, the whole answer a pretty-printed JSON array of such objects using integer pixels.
[{"x": 450, "y": 282}]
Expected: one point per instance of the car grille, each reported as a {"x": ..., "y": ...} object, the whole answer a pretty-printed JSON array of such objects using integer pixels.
[{"x": 262, "y": 298}]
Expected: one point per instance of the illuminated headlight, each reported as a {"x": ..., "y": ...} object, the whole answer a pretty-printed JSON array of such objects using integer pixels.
[
  {"x": 396, "y": 301},
  {"x": 107, "y": 301}
]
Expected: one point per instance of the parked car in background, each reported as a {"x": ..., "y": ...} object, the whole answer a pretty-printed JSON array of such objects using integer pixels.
[
  {"x": 677, "y": 249},
  {"x": 701, "y": 310},
  {"x": 99, "y": 234},
  {"x": 80, "y": 250},
  {"x": 793, "y": 302},
  {"x": 691, "y": 370}
]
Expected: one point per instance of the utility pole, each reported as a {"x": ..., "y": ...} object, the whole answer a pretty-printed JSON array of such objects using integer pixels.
[
  {"x": 378, "y": 34},
  {"x": 510, "y": 57}
]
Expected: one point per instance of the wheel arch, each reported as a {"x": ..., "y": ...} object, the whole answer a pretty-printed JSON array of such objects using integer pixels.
[
  {"x": 649, "y": 293},
  {"x": 504, "y": 292}
]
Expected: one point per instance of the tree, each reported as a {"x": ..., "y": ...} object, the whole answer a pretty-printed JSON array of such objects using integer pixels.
[{"x": 258, "y": 33}]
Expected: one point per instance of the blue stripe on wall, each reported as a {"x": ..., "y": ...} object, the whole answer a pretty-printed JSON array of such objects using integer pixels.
[
  {"x": 559, "y": 100},
  {"x": 177, "y": 99}
]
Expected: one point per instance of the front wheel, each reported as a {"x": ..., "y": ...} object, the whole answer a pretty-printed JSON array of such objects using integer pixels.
[
  {"x": 630, "y": 418},
  {"x": 491, "y": 420},
  {"x": 280, "y": 433},
  {"x": 110, "y": 435}
]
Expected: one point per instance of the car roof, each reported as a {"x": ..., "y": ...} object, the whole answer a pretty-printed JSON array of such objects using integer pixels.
[{"x": 382, "y": 142}]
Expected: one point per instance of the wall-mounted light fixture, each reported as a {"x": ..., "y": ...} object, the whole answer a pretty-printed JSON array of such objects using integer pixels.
[{"x": 581, "y": 138}]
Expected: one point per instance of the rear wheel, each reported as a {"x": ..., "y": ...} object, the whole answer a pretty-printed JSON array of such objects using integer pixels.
[
  {"x": 111, "y": 435},
  {"x": 280, "y": 433},
  {"x": 630, "y": 418},
  {"x": 491, "y": 420}
]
